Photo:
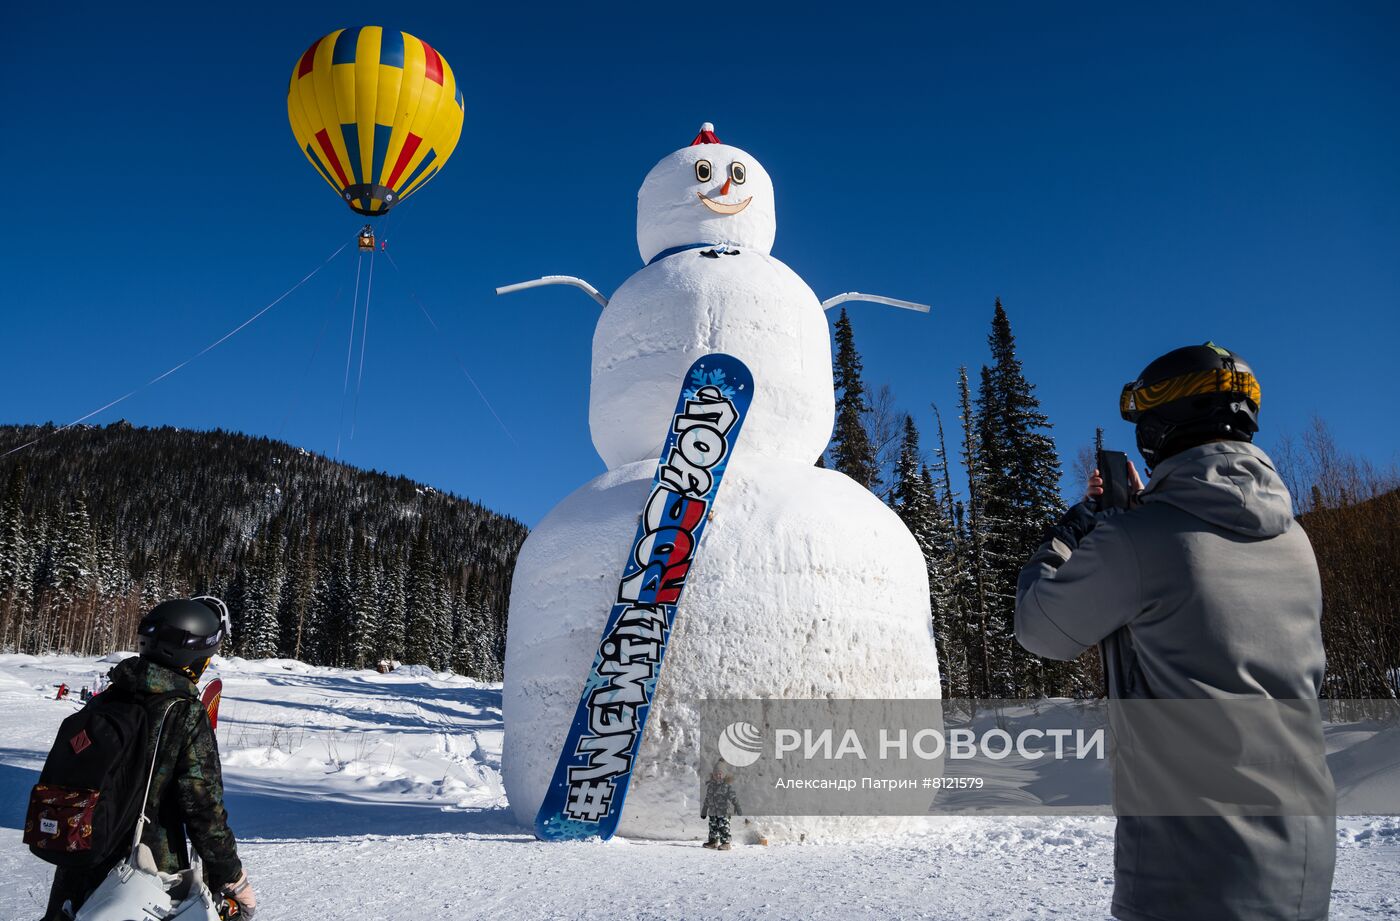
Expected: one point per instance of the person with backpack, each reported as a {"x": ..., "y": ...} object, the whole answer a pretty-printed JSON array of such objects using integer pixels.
[
  {"x": 156, "y": 693},
  {"x": 1204, "y": 590}
]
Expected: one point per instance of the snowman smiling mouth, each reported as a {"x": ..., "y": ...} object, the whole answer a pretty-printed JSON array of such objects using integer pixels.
[{"x": 722, "y": 207}]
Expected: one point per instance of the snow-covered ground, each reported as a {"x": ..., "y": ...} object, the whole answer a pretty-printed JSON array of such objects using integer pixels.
[{"x": 357, "y": 795}]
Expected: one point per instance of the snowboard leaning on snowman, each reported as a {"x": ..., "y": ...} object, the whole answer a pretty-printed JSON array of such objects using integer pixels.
[
  {"x": 808, "y": 585},
  {"x": 590, "y": 782}
]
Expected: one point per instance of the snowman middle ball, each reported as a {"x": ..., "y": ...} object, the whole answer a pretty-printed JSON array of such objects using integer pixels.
[{"x": 688, "y": 305}]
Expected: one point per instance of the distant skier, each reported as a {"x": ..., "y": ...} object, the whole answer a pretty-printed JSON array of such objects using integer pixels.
[
  {"x": 176, "y": 640},
  {"x": 85, "y": 695},
  {"x": 720, "y": 803},
  {"x": 62, "y": 692},
  {"x": 1205, "y": 587}
]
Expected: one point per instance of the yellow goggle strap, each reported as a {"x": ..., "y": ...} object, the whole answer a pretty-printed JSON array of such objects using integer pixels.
[{"x": 1139, "y": 399}]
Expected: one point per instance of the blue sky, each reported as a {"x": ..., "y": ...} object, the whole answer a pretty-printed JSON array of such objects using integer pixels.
[{"x": 1127, "y": 180}]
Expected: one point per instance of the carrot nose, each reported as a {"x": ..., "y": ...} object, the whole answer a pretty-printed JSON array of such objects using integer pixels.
[{"x": 725, "y": 190}]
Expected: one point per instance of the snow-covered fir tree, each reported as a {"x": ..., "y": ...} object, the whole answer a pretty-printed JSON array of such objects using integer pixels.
[
  {"x": 981, "y": 627},
  {"x": 909, "y": 490},
  {"x": 16, "y": 563},
  {"x": 463, "y": 655},
  {"x": 943, "y": 522},
  {"x": 261, "y": 596},
  {"x": 476, "y": 647},
  {"x": 994, "y": 510},
  {"x": 333, "y": 620},
  {"x": 948, "y": 580},
  {"x": 74, "y": 555},
  {"x": 296, "y": 607},
  {"x": 852, "y": 451},
  {"x": 73, "y": 575},
  {"x": 364, "y": 605},
  {"x": 114, "y": 591},
  {"x": 421, "y": 639},
  {"x": 393, "y": 609},
  {"x": 1021, "y": 496},
  {"x": 41, "y": 554},
  {"x": 443, "y": 635},
  {"x": 915, "y": 498}
]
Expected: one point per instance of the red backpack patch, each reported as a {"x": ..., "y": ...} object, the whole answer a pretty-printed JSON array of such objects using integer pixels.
[{"x": 80, "y": 742}]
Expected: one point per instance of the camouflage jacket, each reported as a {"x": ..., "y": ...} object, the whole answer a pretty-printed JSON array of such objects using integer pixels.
[
  {"x": 719, "y": 800},
  {"x": 187, "y": 792}
]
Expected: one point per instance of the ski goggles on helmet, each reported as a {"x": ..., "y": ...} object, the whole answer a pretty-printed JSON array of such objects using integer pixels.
[
  {"x": 182, "y": 639},
  {"x": 1138, "y": 398},
  {"x": 225, "y": 621}
]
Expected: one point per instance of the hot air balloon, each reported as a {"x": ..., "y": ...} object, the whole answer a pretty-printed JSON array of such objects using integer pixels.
[{"x": 377, "y": 112}]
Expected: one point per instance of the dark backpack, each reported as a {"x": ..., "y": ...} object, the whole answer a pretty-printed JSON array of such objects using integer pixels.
[{"x": 93, "y": 786}]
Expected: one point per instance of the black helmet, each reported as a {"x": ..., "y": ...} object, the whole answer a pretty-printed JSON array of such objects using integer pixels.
[
  {"x": 184, "y": 633},
  {"x": 1190, "y": 396}
]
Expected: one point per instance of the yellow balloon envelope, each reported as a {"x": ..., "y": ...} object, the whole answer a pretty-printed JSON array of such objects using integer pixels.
[{"x": 377, "y": 112}]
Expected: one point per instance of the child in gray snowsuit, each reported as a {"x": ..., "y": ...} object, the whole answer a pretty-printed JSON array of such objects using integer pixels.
[{"x": 720, "y": 803}]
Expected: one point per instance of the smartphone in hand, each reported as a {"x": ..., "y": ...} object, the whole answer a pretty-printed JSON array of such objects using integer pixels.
[{"x": 1117, "y": 488}]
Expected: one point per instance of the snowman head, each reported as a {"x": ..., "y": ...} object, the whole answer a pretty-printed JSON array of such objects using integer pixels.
[{"x": 706, "y": 193}]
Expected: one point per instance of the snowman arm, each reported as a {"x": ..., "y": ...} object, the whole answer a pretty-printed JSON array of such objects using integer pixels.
[
  {"x": 556, "y": 280},
  {"x": 874, "y": 299}
]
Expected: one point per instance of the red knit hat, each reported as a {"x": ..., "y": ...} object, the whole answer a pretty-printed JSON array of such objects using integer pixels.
[{"x": 706, "y": 135}]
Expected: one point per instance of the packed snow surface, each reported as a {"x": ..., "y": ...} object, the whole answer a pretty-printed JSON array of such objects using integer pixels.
[{"x": 356, "y": 795}]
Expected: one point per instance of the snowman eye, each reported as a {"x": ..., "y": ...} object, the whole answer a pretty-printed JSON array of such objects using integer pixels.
[
  {"x": 738, "y": 173},
  {"x": 702, "y": 170}
]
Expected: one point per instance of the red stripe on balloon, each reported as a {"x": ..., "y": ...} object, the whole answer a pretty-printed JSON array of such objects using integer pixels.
[
  {"x": 325, "y": 141},
  {"x": 308, "y": 59},
  {"x": 406, "y": 154},
  {"x": 432, "y": 67}
]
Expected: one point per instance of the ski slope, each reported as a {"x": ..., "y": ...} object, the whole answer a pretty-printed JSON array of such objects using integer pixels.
[{"x": 356, "y": 795}]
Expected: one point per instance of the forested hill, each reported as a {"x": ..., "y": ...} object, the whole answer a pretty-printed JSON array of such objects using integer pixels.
[
  {"x": 319, "y": 560},
  {"x": 1358, "y": 554}
]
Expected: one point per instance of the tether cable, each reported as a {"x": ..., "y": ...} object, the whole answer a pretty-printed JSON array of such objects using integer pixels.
[
  {"x": 349, "y": 352},
  {"x": 364, "y": 332},
  {"x": 443, "y": 339},
  {"x": 300, "y": 390},
  {"x": 201, "y": 353}
]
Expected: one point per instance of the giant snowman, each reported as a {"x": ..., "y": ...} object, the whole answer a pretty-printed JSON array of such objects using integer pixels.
[{"x": 806, "y": 585}]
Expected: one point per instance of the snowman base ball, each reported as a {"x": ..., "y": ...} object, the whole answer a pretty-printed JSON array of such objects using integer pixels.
[{"x": 806, "y": 586}]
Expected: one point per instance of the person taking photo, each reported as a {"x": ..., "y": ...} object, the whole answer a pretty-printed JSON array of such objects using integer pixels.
[{"x": 1205, "y": 587}]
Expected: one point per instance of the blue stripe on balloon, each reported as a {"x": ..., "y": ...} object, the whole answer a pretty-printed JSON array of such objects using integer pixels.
[
  {"x": 391, "y": 48},
  {"x": 345, "y": 46},
  {"x": 428, "y": 178},
  {"x": 351, "y": 133},
  {"x": 381, "y": 149},
  {"x": 321, "y": 167},
  {"x": 432, "y": 154}
]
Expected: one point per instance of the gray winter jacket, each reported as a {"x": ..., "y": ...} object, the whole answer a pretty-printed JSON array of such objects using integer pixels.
[{"x": 1209, "y": 589}]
